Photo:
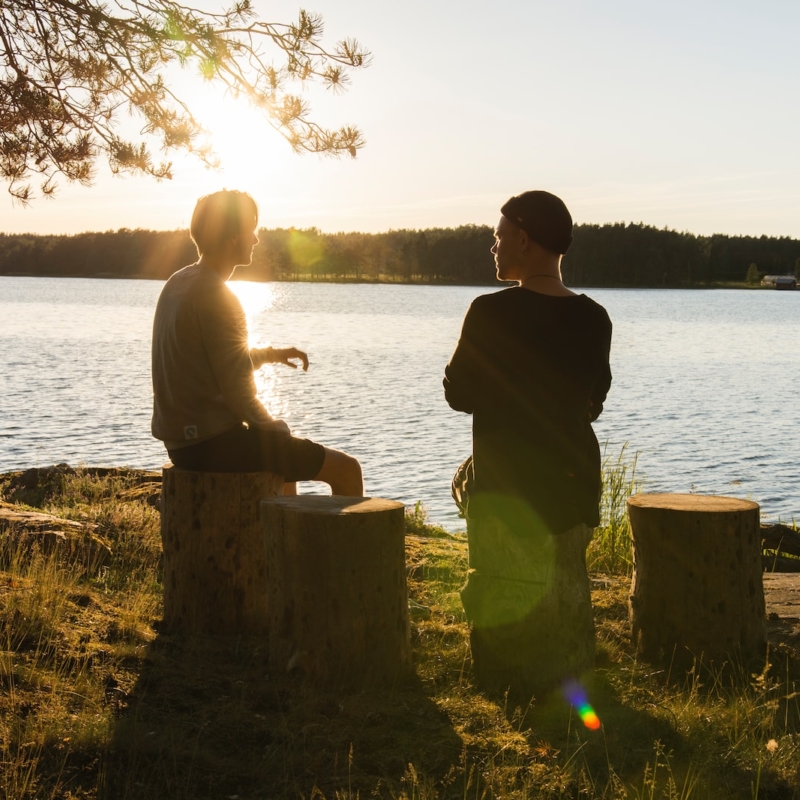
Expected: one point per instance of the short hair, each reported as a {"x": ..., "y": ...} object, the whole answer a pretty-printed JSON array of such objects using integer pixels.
[
  {"x": 219, "y": 217},
  {"x": 544, "y": 217}
]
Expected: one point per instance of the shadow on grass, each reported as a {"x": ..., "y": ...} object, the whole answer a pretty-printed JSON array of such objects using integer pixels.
[{"x": 207, "y": 719}]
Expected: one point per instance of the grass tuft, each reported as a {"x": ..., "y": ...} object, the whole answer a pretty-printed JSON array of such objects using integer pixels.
[{"x": 611, "y": 548}]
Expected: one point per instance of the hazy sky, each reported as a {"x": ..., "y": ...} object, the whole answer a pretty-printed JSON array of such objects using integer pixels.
[{"x": 680, "y": 114}]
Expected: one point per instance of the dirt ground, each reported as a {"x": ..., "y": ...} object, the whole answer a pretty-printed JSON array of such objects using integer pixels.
[{"x": 782, "y": 596}]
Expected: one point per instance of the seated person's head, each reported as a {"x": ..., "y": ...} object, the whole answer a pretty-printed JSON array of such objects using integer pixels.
[{"x": 220, "y": 218}]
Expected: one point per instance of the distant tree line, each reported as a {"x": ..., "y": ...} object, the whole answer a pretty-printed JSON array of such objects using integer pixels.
[{"x": 601, "y": 255}]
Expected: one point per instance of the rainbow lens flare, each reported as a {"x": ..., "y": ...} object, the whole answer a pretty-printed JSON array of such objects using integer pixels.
[{"x": 575, "y": 694}]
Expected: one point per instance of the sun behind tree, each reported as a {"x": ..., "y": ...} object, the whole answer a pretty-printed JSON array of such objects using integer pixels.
[{"x": 69, "y": 69}]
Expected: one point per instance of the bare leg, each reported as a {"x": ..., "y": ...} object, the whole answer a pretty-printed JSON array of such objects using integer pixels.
[
  {"x": 342, "y": 473},
  {"x": 290, "y": 489}
]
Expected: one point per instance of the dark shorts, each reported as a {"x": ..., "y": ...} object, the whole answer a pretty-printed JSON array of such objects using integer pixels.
[{"x": 253, "y": 450}]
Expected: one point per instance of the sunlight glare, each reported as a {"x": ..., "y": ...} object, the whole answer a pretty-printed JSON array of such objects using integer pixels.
[
  {"x": 251, "y": 153},
  {"x": 255, "y": 298},
  {"x": 268, "y": 381},
  {"x": 576, "y": 695}
]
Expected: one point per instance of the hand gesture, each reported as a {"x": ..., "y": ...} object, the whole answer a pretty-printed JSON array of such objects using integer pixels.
[
  {"x": 288, "y": 355},
  {"x": 278, "y": 355}
]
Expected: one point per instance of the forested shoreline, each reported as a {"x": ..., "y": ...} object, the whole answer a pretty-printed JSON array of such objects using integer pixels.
[{"x": 620, "y": 254}]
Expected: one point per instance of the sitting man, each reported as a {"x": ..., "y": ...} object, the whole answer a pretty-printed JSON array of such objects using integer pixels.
[{"x": 205, "y": 409}]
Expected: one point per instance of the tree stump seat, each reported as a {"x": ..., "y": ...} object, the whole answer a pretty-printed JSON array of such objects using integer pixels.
[
  {"x": 697, "y": 592},
  {"x": 528, "y": 603},
  {"x": 214, "y": 561},
  {"x": 336, "y": 577}
]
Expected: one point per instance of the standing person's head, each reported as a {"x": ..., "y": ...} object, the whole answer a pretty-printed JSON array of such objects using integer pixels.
[
  {"x": 224, "y": 223},
  {"x": 535, "y": 229}
]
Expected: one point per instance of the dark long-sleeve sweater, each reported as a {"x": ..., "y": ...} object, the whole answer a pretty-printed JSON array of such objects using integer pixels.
[{"x": 533, "y": 370}]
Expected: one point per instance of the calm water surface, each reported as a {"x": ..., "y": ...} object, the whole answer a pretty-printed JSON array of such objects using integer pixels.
[{"x": 705, "y": 382}]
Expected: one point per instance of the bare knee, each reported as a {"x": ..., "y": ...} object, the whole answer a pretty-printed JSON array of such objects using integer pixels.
[{"x": 342, "y": 473}]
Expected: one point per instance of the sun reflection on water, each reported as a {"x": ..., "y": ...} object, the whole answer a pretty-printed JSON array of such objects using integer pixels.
[
  {"x": 268, "y": 388},
  {"x": 255, "y": 299}
]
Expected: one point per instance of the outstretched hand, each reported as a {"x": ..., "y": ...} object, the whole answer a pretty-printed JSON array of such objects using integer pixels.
[{"x": 288, "y": 356}]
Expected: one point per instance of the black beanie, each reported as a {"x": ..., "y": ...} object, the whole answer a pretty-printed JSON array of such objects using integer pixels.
[{"x": 544, "y": 217}]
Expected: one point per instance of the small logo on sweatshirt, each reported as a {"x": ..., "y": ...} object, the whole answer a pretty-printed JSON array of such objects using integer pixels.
[{"x": 190, "y": 432}]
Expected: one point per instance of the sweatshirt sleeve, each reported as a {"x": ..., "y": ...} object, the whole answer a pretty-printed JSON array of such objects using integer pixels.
[
  {"x": 223, "y": 328},
  {"x": 462, "y": 374},
  {"x": 603, "y": 383}
]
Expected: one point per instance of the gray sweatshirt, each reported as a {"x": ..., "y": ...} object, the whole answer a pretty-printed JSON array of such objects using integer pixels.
[{"x": 203, "y": 381}]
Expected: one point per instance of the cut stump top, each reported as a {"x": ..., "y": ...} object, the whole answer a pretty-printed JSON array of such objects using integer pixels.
[
  {"x": 711, "y": 504},
  {"x": 333, "y": 506}
]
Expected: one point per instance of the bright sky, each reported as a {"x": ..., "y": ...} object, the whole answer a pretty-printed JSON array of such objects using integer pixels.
[{"x": 680, "y": 114}]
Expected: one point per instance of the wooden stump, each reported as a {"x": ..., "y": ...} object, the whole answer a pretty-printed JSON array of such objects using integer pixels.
[
  {"x": 697, "y": 591},
  {"x": 214, "y": 560},
  {"x": 528, "y": 602},
  {"x": 337, "y": 588}
]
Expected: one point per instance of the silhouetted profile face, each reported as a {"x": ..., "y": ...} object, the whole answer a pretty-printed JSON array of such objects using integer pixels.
[
  {"x": 509, "y": 241},
  {"x": 243, "y": 245}
]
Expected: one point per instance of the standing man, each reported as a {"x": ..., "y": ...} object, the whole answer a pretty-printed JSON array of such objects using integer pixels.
[
  {"x": 532, "y": 367},
  {"x": 205, "y": 405}
]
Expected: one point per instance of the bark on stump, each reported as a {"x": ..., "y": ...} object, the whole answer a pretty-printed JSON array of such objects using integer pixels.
[
  {"x": 214, "y": 560},
  {"x": 697, "y": 592},
  {"x": 528, "y": 602},
  {"x": 337, "y": 588}
]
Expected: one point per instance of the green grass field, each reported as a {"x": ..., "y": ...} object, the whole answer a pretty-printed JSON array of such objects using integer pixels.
[{"x": 96, "y": 702}]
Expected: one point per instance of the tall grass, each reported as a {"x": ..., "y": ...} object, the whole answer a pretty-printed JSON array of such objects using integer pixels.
[
  {"x": 70, "y": 618},
  {"x": 611, "y": 548}
]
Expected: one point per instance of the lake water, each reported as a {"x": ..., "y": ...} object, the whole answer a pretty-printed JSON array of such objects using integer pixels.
[{"x": 705, "y": 382}]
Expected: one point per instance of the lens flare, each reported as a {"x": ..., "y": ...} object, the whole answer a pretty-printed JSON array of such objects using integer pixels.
[{"x": 575, "y": 694}]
